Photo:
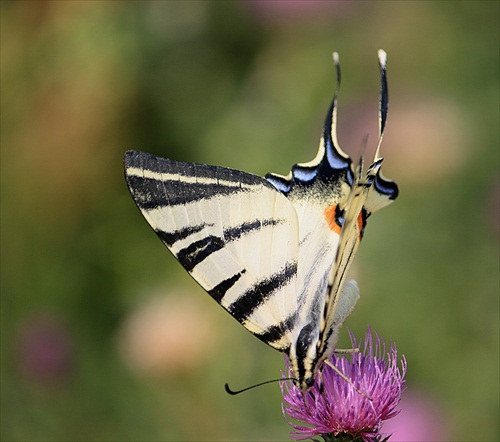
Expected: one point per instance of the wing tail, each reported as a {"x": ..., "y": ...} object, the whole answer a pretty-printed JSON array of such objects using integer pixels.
[
  {"x": 384, "y": 191},
  {"x": 370, "y": 192}
]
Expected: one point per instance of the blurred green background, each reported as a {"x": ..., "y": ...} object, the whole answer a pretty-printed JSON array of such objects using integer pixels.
[{"x": 105, "y": 337}]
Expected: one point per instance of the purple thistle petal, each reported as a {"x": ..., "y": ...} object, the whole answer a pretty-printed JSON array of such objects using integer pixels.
[{"x": 332, "y": 406}]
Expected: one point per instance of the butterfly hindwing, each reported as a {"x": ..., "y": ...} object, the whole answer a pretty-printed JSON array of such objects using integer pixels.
[{"x": 369, "y": 193}]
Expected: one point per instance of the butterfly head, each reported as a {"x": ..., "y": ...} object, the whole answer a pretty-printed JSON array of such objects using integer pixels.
[
  {"x": 303, "y": 356},
  {"x": 304, "y": 374},
  {"x": 306, "y": 383}
]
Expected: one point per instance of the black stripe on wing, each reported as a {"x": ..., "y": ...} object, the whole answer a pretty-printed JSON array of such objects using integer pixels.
[
  {"x": 235, "y": 233},
  {"x": 198, "y": 251},
  {"x": 150, "y": 193},
  {"x": 157, "y": 182},
  {"x": 152, "y": 163},
  {"x": 201, "y": 249},
  {"x": 276, "y": 332},
  {"x": 170, "y": 238},
  {"x": 221, "y": 289},
  {"x": 261, "y": 291}
]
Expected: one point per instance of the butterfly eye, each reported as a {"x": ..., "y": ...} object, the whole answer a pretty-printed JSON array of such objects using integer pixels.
[{"x": 310, "y": 382}]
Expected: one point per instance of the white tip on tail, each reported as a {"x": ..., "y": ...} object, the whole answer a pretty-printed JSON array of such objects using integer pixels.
[
  {"x": 382, "y": 57},
  {"x": 336, "y": 57}
]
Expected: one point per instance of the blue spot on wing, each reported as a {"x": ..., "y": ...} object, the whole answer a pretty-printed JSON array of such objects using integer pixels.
[
  {"x": 386, "y": 187},
  {"x": 304, "y": 174},
  {"x": 280, "y": 183},
  {"x": 335, "y": 161}
]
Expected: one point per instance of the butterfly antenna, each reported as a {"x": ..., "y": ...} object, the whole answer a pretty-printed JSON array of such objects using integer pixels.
[
  {"x": 384, "y": 98},
  {"x": 235, "y": 392}
]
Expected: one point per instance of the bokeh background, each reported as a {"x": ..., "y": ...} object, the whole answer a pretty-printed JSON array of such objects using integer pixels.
[{"x": 105, "y": 337}]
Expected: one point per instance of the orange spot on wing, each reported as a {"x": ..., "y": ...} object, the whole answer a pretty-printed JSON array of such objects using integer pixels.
[
  {"x": 329, "y": 214},
  {"x": 360, "y": 225}
]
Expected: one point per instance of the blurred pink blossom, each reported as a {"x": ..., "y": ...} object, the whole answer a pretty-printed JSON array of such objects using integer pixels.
[
  {"x": 45, "y": 349},
  {"x": 420, "y": 420},
  {"x": 295, "y": 10},
  {"x": 166, "y": 335}
]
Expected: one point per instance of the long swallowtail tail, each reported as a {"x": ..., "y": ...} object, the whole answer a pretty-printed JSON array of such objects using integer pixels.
[{"x": 273, "y": 251}]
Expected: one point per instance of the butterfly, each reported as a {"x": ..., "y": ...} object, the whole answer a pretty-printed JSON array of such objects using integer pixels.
[{"x": 274, "y": 252}]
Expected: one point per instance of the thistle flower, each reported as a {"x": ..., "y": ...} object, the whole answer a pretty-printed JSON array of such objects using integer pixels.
[{"x": 333, "y": 408}]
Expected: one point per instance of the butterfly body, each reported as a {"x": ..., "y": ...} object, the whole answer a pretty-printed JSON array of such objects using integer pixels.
[{"x": 273, "y": 251}]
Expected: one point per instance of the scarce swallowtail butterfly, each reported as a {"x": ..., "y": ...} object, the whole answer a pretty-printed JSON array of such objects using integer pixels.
[{"x": 273, "y": 251}]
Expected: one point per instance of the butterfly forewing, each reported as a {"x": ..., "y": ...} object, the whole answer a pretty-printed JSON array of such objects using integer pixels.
[{"x": 232, "y": 231}]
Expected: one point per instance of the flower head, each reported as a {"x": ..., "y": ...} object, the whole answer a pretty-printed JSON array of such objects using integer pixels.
[{"x": 334, "y": 407}]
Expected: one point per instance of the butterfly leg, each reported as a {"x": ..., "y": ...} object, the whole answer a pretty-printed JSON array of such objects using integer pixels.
[
  {"x": 346, "y": 351},
  {"x": 343, "y": 376}
]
